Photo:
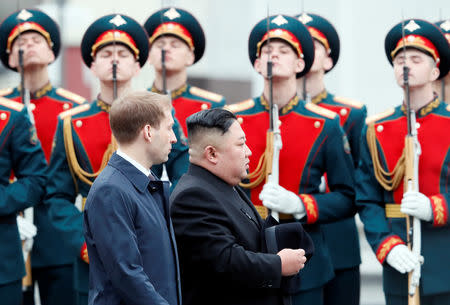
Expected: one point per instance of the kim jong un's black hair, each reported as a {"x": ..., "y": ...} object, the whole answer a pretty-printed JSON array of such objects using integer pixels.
[{"x": 217, "y": 118}]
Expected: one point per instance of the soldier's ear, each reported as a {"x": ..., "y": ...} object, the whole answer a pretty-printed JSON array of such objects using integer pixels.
[
  {"x": 257, "y": 65},
  {"x": 299, "y": 66},
  {"x": 13, "y": 61},
  {"x": 434, "y": 73},
  {"x": 93, "y": 68},
  {"x": 327, "y": 63},
  {"x": 137, "y": 68},
  {"x": 51, "y": 57},
  {"x": 190, "y": 59}
]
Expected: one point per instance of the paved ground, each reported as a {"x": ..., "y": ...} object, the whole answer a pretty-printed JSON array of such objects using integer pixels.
[{"x": 371, "y": 281}]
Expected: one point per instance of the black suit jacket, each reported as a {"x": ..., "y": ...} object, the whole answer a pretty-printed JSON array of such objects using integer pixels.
[{"x": 218, "y": 232}]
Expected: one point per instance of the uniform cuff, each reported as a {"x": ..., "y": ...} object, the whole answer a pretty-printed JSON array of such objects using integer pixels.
[
  {"x": 311, "y": 208},
  {"x": 439, "y": 206},
  {"x": 386, "y": 246}
]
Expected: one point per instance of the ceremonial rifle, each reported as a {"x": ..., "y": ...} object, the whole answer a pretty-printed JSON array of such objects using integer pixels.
[
  {"x": 411, "y": 181},
  {"x": 114, "y": 65},
  {"x": 268, "y": 165},
  {"x": 273, "y": 174},
  {"x": 305, "y": 95},
  {"x": 28, "y": 214},
  {"x": 163, "y": 60}
]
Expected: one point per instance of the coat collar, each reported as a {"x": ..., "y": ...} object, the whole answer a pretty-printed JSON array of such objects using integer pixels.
[
  {"x": 174, "y": 93},
  {"x": 319, "y": 97},
  {"x": 137, "y": 178},
  {"x": 428, "y": 108},
  {"x": 288, "y": 107},
  {"x": 222, "y": 186},
  {"x": 39, "y": 93},
  {"x": 196, "y": 170},
  {"x": 104, "y": 106}
]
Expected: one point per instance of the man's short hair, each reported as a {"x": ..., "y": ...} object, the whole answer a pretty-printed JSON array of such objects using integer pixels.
[
  {"x": 131, "y": 112},
  {"x": 218, "y": 120}
]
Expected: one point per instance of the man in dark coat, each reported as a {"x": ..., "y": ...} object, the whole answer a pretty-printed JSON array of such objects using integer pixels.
[
  {"x": 217, "y": 228},
  {"x": 129, "y": 235}
]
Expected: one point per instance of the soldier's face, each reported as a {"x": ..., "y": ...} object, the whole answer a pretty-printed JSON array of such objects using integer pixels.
[
  {"x": 162, "y": 139},
  {"x": 127, "y": 66},
  {"x": 233, "y": 155},
  {"x": 322, "y": 62},
  {"x": 178, "y": 55},
  {"x": 422, "y": 68},
  {"x": 285, "y": 61},
  {"x": 36, "y": 51}
]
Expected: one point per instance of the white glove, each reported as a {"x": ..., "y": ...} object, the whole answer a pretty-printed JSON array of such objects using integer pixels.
[
  {"x": 27, "y": 230},
  {"x": 416, "y": 204},
  {"x": 402, "y": 259},
  {"x": 277, "y": 198},
  {"x": 415, "y": 278}
]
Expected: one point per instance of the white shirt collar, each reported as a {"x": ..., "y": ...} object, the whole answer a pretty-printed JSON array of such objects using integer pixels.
[{"x": 136, "y": 164}]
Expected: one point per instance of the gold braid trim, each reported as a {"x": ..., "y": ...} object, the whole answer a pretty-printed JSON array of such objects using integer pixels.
[
  {"x": 75, "y": 167},
  {"x": 264, "y": 167},
  {"x": 388, "y": 180}
]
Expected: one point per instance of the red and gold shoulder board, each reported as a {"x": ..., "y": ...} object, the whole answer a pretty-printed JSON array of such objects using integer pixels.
[
  {"x": 379, "y": 116},
  {"x": 348, "y": 102},
  {"x": 11, "y": 104},
  {"x": 241, "y": 106},
  {"x": 74, "y": 111},
  {"x": 206, "y": 94},
  {"x": 78, "y": 99},
  {"x": 320, "y": 110}
]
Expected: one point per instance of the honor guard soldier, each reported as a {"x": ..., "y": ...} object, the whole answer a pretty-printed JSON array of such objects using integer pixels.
[
  {"x": 34, "y": 33},
  {"x": 442, "y": 86},
  {"x": 20, "y": 152},
  {"x": 419, "y": 54},
  {"x": 313, "y": 144},
  {"x": 177, "y": 41},
  {"x": 114, "y": 47},
  {"x": 342, "y": 236}
]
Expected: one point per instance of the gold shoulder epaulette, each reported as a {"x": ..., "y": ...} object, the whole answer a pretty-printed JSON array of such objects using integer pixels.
[
  {"x": 206, "y": 94},
  {"x": 320, "y": 110},
  {"x": 70, "y": 95},
  {"x": 73, "y": 111},
  {"x": 379, "y": 116},
  {"x": 241, "y": 106},
  {"x": 6, "y": 91},
  {"x": 349, "y": 102},
  {"x": 11, "y": 104}
]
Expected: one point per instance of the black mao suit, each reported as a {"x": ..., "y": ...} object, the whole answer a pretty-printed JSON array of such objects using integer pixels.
[{"x": 218, "y": 233}]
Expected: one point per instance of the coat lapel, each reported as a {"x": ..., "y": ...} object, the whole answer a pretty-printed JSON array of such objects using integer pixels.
[
  {"x": 255, "y": 217},
  {"x": 230, "y": 195}
]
